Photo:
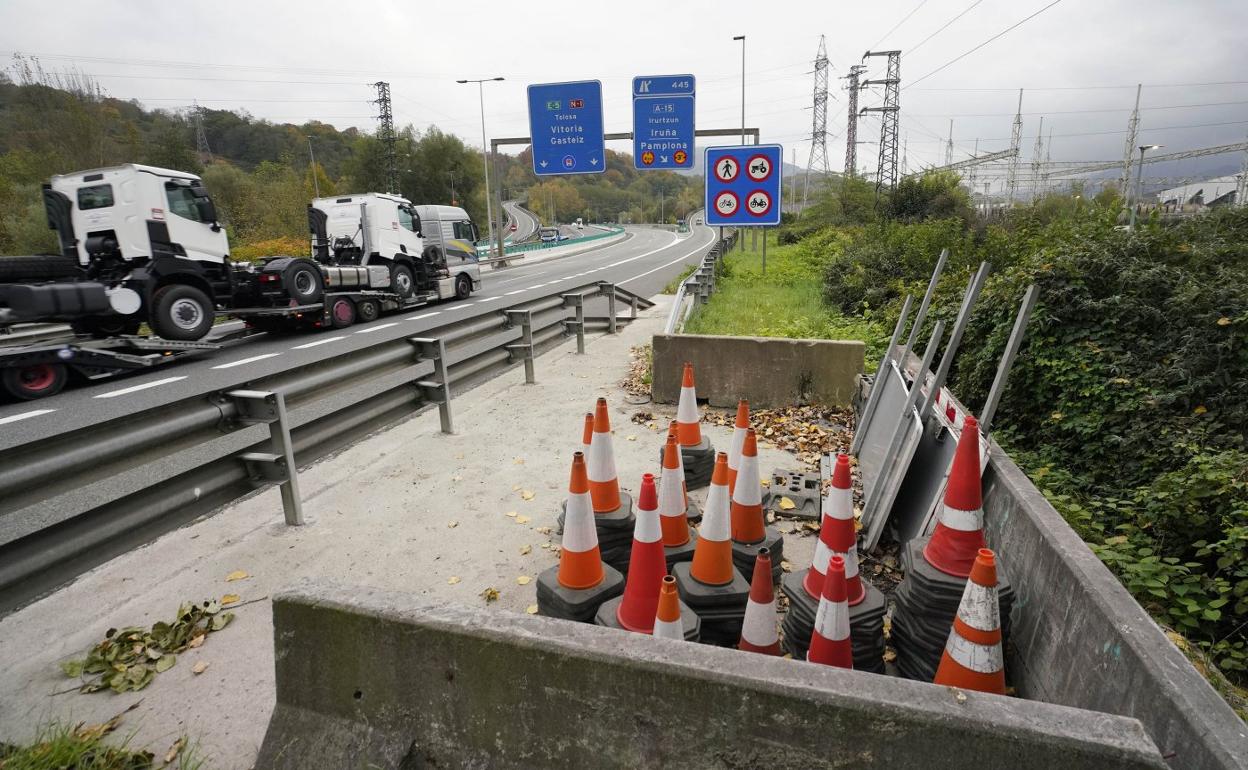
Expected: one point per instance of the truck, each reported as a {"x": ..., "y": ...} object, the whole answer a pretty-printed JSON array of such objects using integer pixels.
[{"x": 141, "y": 244}]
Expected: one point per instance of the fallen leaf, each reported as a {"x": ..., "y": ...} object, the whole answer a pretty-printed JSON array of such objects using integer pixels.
[
  {"x": 1224, "y": 321},
  {"x": 515, "y": 488},
  {"x": 959, "y": 697},
  {"x": 174, "y": 750},
  {"x": 764, "y": 482},
  {"x": 546, "y": 545},
  {"x": 452, "y": 580},
  {"x": 531, "y": 609},
  {"x": 457, "y": 477},
  {"x": 1010, "y": 691},
  {"x": 630, "y": 438},
  {"x": 1177, "y": 639},
  {"x": 524, "y": 580},
  {"x": 786, "y": 504},
  {"x": 519, "y": 461},
  {"x": 237, "y": 574},
  {"x": 452, "y": 524},
  {"x": 527, "y": 494},
  {"x": 200, "y": 667},
  {"x": 490, "y": 595},
  {"x": 1200, "y": 410},
  {"x": 197, "y": 641},
  {"x": 545, "y": 530},
  {"x": 165, "y": 663},
  {"x": 511, "y": 514},
  {"x": 785, "y": 566},
  {"x": 890, "y": 655},
  {"x": 525, "y": 550},
  {"x": 230, "y": 599},
  {"x": 522, "y": 519}
]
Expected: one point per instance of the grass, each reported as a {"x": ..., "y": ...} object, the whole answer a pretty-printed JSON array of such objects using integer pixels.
[
  {"x": 64, "y": 747},
  {"x": 786, "y": 301}
]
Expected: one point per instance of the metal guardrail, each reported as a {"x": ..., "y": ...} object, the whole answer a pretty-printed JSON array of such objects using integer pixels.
[
  {"x": 699, "y": 286},
  {"x": 162, "y": 467},
  {"x": 520, "y": 248}
]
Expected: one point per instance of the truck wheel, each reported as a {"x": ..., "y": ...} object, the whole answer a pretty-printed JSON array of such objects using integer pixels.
[
  {"x": 367, "y": 310},
  {"x": 101, "y": 327},
  {"x": 181, "y": 312},
  {"x": 401, "y": 281},
  {"x": 463, "y": 287},
  {"x": 36, "y": 381},
  {"x": 303, "y": 283},
  {"x": 341, "y": 313}
]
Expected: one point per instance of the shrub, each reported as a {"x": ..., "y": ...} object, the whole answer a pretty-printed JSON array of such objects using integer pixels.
[{"x": 272, "y": 247}]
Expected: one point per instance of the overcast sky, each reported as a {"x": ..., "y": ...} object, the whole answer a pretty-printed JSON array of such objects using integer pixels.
[{"x": 289, "y": 62}]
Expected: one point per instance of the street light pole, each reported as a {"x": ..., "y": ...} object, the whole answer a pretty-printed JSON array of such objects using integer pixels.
[
  {"x": 485, "y": 154},
  {"x": 1139, "y": 179},
  {"x": 742, "y": 39},
  {"x": 316, "y": 184}
]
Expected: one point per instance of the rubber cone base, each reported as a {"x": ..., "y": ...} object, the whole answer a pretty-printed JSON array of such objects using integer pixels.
[
  {"x": 678, "y": 553},
  {"x": 699, "y": 462},
  {"x": 866, "y": 623},
  {"x": 615, "y": 531},
  {"x": 607, "y": 615},
  {"x": 693, "y": 513},
  {"x": 743, "y": 555},
  {"x": 721, "y": 608},
  {"x": 555, "y": 601}
]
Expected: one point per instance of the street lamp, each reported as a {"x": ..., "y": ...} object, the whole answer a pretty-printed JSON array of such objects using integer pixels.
[
  {"x": 742, "y": 39},
  {"x": 451, "y": 174},
  {"x": 316, "y": 184},
  {"x": 485, "y": 159},
  {"x": 1139, "y": 178}
]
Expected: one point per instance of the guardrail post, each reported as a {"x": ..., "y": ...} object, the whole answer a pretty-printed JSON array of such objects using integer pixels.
[
  {"x": 609, "y": 290},
  {"x": 633, "y": 302},
  {"x": 260, "y": 406},
  {"x": 435, "y": 391},
  {"x": 525, "y": 346},
  {"x": 578, "y": 302}
]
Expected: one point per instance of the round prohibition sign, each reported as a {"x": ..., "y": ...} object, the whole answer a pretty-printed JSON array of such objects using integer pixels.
[
  {"x": 727, "y": 168},
  {"x": 759, "y": 168},
  {"x": 727, "y": 203},
  {"x": 758, "y": 203}
]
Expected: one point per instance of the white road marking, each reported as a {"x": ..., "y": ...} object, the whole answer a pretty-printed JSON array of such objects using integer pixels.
[
  {"x": 462, "y": 306},
  {"x": 137, "y": 388},
  {"x": 307, "y": 345},
  {"x": 669, "y": 264},
  {"x": 233, "y": 364},
  {"x": 423, "y": 315},
  {"x": 24, "y": 415},
  {"x": 486, "y": 299},
  {"x": 379, "y": 327},
  {"x": 517, "y": 291},
  {"x": 538, "y": 286}
]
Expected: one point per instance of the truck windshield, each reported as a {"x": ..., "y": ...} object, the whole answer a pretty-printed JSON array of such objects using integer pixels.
[
  {"x": 407, "y": 221},
  {"x": 182, "y": 201}
]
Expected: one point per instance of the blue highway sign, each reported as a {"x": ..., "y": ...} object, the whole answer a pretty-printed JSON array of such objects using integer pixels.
[
  {"x": 743, "y": 185},
  {"x": 663, "y": 122},
  {"x": 565, "y": 122}
]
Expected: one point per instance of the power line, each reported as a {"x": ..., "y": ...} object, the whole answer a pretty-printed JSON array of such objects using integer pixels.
[
  {"x": 898, "y": 24},
  {"x": 1081, "y": 112},
  {"x": 1093, "y": 88},
  {"x": 1013, "y": 26},
  {"x": 942, "y": 28}
]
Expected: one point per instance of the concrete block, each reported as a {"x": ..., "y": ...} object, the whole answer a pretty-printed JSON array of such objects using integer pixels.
[
  {"x": 374, "y": 678},
  {"x": 769, "y": 371}
]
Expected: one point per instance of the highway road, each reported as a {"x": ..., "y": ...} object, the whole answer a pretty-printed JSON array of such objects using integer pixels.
[
  {"x": 526, "y": 223},
  {"x": 642, "y": 263}
]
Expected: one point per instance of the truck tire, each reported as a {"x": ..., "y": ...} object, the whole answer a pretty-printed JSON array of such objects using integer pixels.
[
  {"x": 401, "y": 281},
  {"x": 45, "y": 267},
  {"x": 181, "y": 312},
  {"x": 341, "y": 313},
  {"x": 27, "y": 383},
  {"x": 463, "y": 286},
  {"x": 103, "y": 326},
  {"x": 366, "y": 310},
  {"x": 303, "y": 282}
]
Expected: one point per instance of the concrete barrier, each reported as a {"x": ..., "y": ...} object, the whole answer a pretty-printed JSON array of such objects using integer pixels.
[
  {"x": 769, "y": 371},
  {"x": 368, "y": 678}
]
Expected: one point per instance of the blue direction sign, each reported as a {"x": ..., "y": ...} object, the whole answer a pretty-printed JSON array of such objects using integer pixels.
[
  {"x": 565, "y": 121},
  {"x": 743, "y": 185},
  {"x": 663, "y": 122}
]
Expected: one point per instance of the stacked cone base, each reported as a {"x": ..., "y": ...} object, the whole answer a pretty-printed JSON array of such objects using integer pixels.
[
  {"x": 693, "y": 513},
  {"x": 699, "y": 462},
  {"x": 720, "y": 608},
  {"x": 556, "y": 601},
  {"x": 743, "y": 555},
  {"x": 866, "y": 623},
  {"x": 607, "y": 615},
  {"x": 615, "y": 532},
  {"x": 924, "y": 607},
  {"x": 677, "y": 553}
]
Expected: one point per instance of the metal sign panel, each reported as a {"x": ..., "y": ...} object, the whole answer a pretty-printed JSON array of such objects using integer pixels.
[
  {"x": 743, "y": 185},
  {"x": 663, "y": 122},
  {"x": 565, "y": 122}
]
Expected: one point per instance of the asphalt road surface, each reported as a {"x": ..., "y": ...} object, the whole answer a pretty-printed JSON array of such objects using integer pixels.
[
  {"x": 526, "y": 223},
  {"x": 642, "y": 263}
]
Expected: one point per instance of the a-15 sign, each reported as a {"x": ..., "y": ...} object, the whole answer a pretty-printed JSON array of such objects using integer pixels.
[{"x": 663, "y": 117}]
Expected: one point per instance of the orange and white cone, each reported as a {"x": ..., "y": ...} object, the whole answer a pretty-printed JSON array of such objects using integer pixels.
[
  {"x": 672, "y": 514},
  {"x": 667, "y": 623},
  {"x": 604, "y": 485},
  {"x": 740, "y": 427},
  {"x": 687, "y": 415},
  {"x": 712, "y": 556},
  {"x": 972, "y": 658},
  {"x": 587, "y": 435},
  {"x": 580, "y": 561},
  {"x": 674, "y": 435},
  {"x": 829, "y": 642},
  {"x": 646, "y": 564},
  {"x": 748, "y": 523},
  {"x": 758, "y": 629},
  {"x": 959, "y": 533},
  {"x": 837, "y": 536}
]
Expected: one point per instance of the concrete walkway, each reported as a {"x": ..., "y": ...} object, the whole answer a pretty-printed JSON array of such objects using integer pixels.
[{"x": 408, "y": 509}]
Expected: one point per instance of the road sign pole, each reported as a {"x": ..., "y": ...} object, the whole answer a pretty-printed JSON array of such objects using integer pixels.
[{"x": 764, "y": 251}]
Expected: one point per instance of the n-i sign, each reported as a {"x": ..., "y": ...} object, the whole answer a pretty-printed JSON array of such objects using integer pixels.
[{"x": 744, "y": 184}]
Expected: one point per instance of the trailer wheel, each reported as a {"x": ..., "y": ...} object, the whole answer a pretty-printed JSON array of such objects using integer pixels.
[
  {"x": 303, "y": 282},
  {"x": 463, "y": 286},
  {"x": 367, "y": 310},
  {"x": 341, "y": 313},
  {"x": 36, "y": 381},
  {"x": 401, "y": 280},
  {"x": 101, "y": 327},
  {"x": 181, "y": 312}
]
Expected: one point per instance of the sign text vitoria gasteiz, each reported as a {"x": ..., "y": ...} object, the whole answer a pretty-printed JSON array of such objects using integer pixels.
[{"x": 565, "y": 122}]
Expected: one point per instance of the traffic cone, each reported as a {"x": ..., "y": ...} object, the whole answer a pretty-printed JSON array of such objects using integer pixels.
[
  {"x": 604, "y": 486},
  {"x": 747, "y": 500},
  {"x": 758, "y": 630},
  {"x": 830, "y": 643},
  {"x": 972, "y": 658},
  {"x": 837, "y": 536},
  {"x": 646, "y": 567},
  {"x": 673, "y": 435},
  {"x": 687, "y": 415},
  {"x": 672, "y": 513},
  {"x": 959, "y": 532},
  {"x": 580, "y": 562},
  {"x": 712, "y": 557},
  {"x": 587, "y": 435},
  {"x": 739, "y": 430},
  {"x": 667, "y": 623}
]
